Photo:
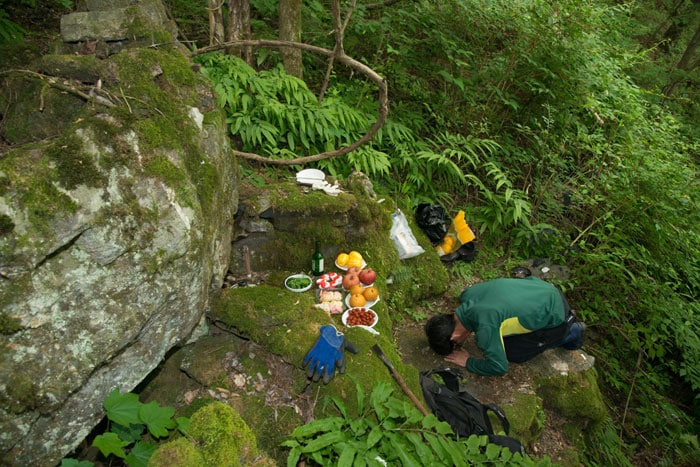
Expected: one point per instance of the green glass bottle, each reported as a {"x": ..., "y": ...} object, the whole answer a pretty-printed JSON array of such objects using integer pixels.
[{"x": 317, "y": 260}]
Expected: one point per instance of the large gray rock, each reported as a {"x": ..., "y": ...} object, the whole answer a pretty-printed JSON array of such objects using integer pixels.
[
  {"x": 117, "y": 21},
  {"x": 112, "y": 237}
]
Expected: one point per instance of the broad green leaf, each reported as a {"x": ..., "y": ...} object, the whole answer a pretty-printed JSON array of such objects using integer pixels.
[
  {"x": 131, "y": 433},
  {"x": 158, "y": 419},
  {"x": 293, "y": 457},
  {"x": 403, "y": 450},
  {"x": 438, "y": 449},
  {"x": 122, "y": 408},
  {"x": 374, "y": 436},
  {"x": 183, "y": 425},
  {"x": 340, "y": 405},
  {"x": 68, "y": 462},
  {"x": 323, "y": 441},
  {"x": 140, "y": 454},
  {"x": 318, "y": 426},
  {"x": 347, "y": 457},
  {"x": 422, "y": 450},
  {"x": 110, "y": 444},
  {"x": 493, "y": 451}
]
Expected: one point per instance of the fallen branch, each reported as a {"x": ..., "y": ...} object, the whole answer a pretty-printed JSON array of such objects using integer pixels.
[{"x": 53, "y": 82}]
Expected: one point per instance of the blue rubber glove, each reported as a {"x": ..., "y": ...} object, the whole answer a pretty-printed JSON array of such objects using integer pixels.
[{"x": 327, "y": 354}]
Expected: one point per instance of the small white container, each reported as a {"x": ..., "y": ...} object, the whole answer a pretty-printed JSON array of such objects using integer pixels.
[{"x": 298, "y": 276}]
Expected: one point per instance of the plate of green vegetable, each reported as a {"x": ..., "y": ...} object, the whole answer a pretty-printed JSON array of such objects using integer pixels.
[{"x": 298, "y": 282}]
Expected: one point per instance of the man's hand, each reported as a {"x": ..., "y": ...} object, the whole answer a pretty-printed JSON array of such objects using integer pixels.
[{"x": 458, "y": 357}]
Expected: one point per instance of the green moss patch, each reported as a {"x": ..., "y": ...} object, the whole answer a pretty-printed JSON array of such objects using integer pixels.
[
  {"x": 32, "y": 180},
  {"x": 576, "y": 396},
  {"x": 219, "y": 436},
  {"x": 73, "y": 164},
  {"x": 526, "y": 417},
  {"x": 9, "y": 324}
]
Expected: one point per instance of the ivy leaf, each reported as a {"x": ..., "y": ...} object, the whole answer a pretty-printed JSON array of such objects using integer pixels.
[
  {"x": 158, "y": 419},
  {"x": 109, "y": 443},
  {"x": 131, "y": 434},
  {"x": 140, "y": 454},
  {"x": 122, "y": 408}
]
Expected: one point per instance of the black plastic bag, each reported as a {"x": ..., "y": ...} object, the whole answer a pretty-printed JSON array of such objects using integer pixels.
[{"x": 433, "y": 220}]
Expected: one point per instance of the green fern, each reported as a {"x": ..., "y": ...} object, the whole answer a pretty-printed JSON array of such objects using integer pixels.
[{"x": 276, "y": 115}]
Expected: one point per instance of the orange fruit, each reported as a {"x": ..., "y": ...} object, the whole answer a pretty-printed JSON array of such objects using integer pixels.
[
  {"x": 355, "y": 255},
  {"x": 342, "y": 259},
  {"x": 371, "y": 294},
  {"x": 357, "y": 289},
  {"x": 357, "y": 300}
]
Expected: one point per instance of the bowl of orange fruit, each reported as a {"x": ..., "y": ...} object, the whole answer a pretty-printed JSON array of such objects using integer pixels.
[{"x": 360, "y": 296}]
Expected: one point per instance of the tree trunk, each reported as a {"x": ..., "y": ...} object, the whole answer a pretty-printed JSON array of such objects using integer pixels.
[
  {"x": 685, "y": 64},
  {"x": 239, "y": 27},
  {"x": 216, "y": 22},
  {"x": 290, "y": 31}
]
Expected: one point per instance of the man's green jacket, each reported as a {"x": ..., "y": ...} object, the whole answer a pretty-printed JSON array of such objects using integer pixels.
[{"x": 504, "y": 307}]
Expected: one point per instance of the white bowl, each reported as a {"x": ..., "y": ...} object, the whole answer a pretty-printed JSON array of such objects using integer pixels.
[
  {"x": 347, "y": 312},
  {"x": 345, "y": 268},
  {"x": 298, "y": 276},
  {"x": 368, "y": 304}
]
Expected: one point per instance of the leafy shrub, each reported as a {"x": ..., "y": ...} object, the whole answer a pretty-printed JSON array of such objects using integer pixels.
[
  {"x": 391, "y": 432},
  {"x": 131, "y": 424}
]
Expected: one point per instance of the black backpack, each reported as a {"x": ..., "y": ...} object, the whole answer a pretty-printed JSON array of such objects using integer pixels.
[{"x": 462, "y": 411}]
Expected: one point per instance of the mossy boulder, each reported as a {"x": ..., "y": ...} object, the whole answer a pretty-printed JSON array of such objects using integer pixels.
[
  {"x": 577, "y": 397},
  {"x": 526, "y": 417},
  {"x": 112, "y": 234},
  {"x": 218, "y": 436}
]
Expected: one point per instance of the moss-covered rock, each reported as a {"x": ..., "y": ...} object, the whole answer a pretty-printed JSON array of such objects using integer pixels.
[
  {"x": 526, "y": 417},
  {"x": 217, "y": 436},
  {"x": 222, "y": 436},
  {"x": 112, "y": 234},
  {"x": 578, "y": 398},
  {"x": 179, "y": 452}
]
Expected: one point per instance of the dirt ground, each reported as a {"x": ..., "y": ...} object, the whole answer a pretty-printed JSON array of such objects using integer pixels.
[{"x": 414, "y": 350}]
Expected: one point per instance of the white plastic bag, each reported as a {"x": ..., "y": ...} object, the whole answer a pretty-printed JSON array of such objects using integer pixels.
[{"x": 402, "y": 236}]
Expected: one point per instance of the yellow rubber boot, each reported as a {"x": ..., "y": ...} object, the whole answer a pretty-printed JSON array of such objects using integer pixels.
[{"x": 464, "y": 233}]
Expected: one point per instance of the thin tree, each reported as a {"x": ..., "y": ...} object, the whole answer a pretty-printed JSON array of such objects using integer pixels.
[
  {"x": 290, "y": 31},
  {"x": 216, "y": 22}
]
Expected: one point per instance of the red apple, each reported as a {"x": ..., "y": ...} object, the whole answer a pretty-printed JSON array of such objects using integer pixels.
[
  {"x": 367, "y": 276},
  {"x": 350, "y": 279}
]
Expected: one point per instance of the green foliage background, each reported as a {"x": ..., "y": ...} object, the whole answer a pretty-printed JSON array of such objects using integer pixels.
[{"x": 546, "y": 123}]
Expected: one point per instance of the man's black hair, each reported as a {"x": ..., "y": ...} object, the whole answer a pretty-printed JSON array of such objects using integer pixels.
[{"x": 439, "y": 330}]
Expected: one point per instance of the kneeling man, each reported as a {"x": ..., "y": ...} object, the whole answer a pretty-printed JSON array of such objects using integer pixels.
[{"x": 513, "y": 320}]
